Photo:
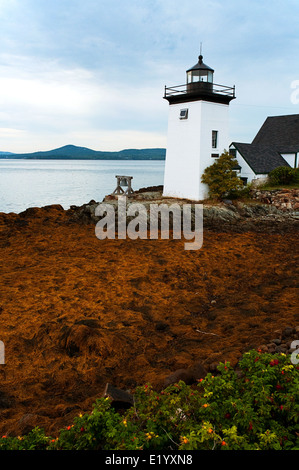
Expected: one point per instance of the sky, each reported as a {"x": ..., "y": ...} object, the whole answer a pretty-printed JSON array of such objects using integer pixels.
[{"x": 92, "y": 73}]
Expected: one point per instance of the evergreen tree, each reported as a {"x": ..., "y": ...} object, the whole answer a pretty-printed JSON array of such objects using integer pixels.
[{"x": 221, "y": 176}]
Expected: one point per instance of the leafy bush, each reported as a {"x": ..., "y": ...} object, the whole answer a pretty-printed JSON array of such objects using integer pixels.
[
  {"x": 254, "y": 409},
  {"x": 242, "y": 193},
  {"x": 35, "y": 440},
  {"x": 221, "y": 176},
  {"x": 283, "y": 175}
]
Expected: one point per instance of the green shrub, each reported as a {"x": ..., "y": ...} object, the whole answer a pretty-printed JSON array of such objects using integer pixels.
[
  {"x": 242, "y": 193},
  {"x": 221, "y": 177},
  {"x": 34, "y": 440},
  {"x": 283, "y": 175},
  {"x": 256, "y": 409}
]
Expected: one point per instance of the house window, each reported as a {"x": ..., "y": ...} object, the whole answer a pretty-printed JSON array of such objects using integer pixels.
[
  {"x": 233, "y": 152},
  {"x": 214, "y": 139},
  {"x": 237, "y": 168},
  {"x": 184, "y": 113},
  {"x": 214, "y": 155}
]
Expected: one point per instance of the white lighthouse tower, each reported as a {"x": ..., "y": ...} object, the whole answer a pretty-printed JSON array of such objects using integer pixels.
[{"x": 197, "y": 131}]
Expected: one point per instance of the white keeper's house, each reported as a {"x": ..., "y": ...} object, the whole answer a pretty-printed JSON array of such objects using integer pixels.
[{"x": 276, "y": 144}]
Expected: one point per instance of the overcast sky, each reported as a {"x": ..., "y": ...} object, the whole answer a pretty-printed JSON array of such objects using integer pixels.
[{"x": 92, "y": 73}]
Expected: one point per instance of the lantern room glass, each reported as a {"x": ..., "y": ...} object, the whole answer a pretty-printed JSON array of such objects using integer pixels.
[{"x": 200, "y": 75}]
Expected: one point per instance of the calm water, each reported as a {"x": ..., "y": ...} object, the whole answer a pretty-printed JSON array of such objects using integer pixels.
[{"x": 37, "y": 183}]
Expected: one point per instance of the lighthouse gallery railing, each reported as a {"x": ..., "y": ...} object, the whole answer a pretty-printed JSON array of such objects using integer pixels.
[{"x": 215, "y": 88}]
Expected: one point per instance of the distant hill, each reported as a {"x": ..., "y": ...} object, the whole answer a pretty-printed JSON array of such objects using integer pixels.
[{"x": 72, "y": 152}]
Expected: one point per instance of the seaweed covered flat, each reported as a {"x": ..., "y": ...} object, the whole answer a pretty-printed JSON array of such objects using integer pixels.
[{"x": 77, "y": 312}]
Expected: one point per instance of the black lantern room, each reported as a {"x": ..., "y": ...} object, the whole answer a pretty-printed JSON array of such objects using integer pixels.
[
  {"x": 200, "y": 77},
  {"x": 200, "y": 86}
]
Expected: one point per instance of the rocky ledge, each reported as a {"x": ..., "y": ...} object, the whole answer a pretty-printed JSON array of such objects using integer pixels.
[
  {"x": 286, "y": 341},
  {"x": 282, "y": 199},
  {"x": 256, "y": 215}
]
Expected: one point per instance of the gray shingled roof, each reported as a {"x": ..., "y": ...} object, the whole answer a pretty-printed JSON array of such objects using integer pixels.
[
  {"x": 278, "y": 134},
  {"x": 261, "y": 158},
  {"x": 281, "y": 132}
]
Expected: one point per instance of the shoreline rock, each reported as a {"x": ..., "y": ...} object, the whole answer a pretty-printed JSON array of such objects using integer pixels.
[
  {"x": 226, "y": 216},
  {"x": 283, "y": 199},
  {"x": 275, "y": 211},
  {"x": 283, "y": 341}
]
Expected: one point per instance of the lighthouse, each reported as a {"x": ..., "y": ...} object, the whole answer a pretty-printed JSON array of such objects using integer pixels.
[{"x": 198, "y": 131}]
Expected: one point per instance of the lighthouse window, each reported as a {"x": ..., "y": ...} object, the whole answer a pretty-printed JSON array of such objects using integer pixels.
[
  {"x": 214, "y": 139},
  {"x": 184, "y": 113}
]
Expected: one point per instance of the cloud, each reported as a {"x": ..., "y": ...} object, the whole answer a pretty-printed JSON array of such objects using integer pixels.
[
  {"x": 70, "y": 68},
  {"x": 114, "y": 140},
  {"x": 45, "y": 105},
  {"x": 36, "y": 94},
  {"x": 108, "y": 140}
]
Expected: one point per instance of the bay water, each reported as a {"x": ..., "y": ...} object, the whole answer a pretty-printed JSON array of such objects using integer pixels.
[{"x": 37, "y": 183}]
